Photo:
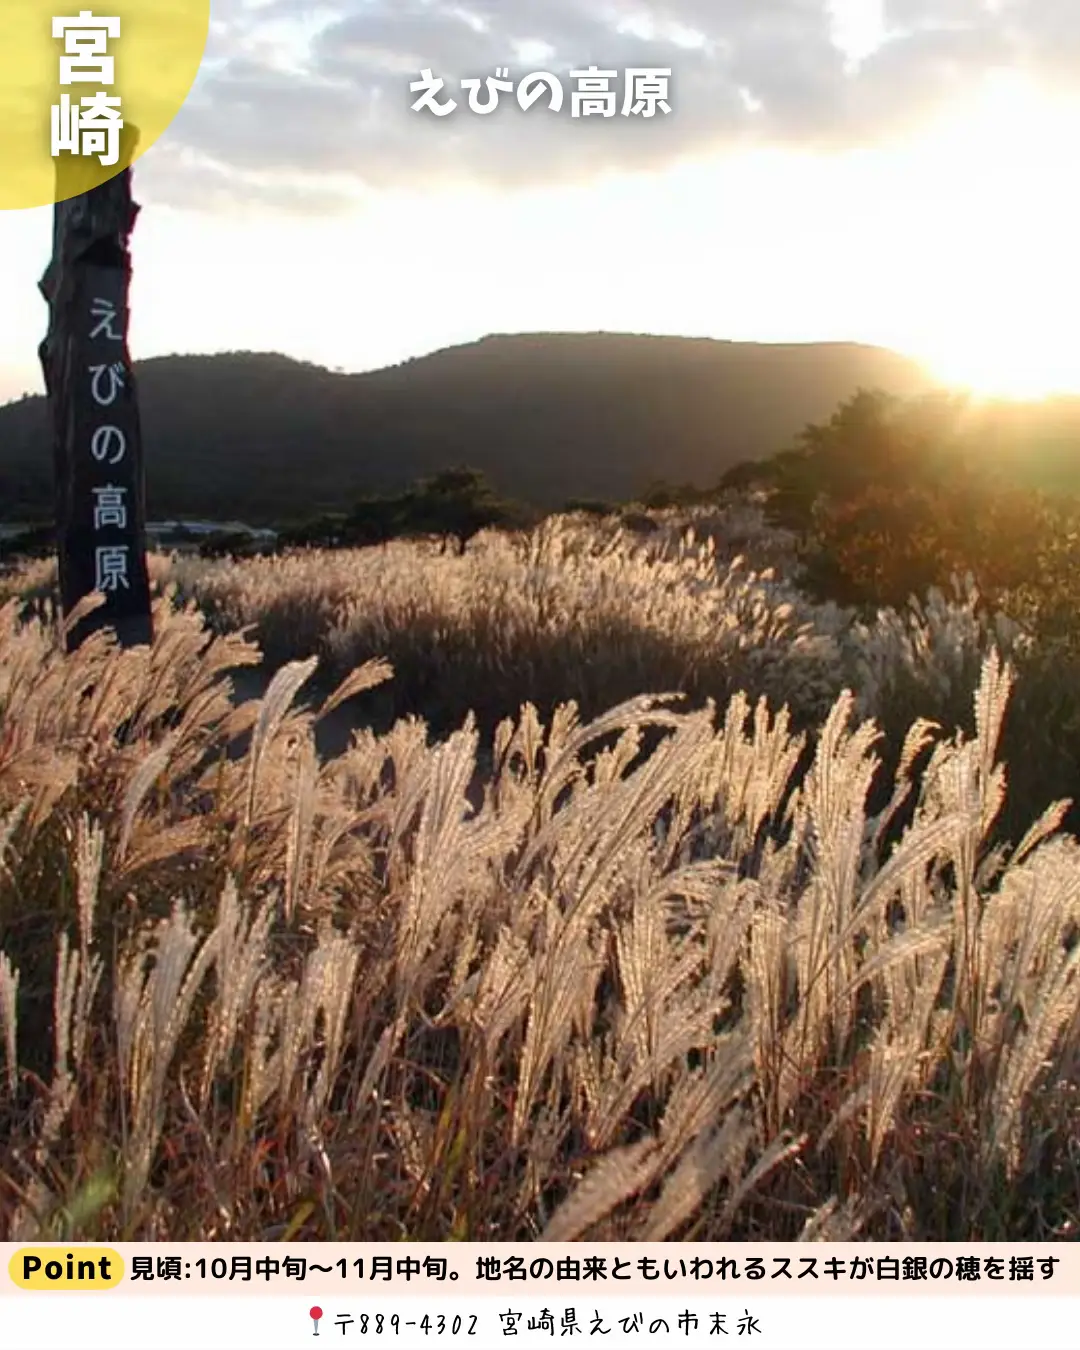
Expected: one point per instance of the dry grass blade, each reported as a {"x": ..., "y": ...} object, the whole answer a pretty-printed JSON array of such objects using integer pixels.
[
  {"x": 9, "y": 1018},
  {"x": 8, "y": 826},
  {"x": 776, "y": 1153},
  {"x": 368, "y": 676},
  {"x": 713, "y": 1157},
  {"x": 275, "y": 704},
  {"x": 85, "y": 607},
  {"x": 618, "y": 1176},
  {"x": 153, "y": 765},
  {"x": 1047, "y": 825}
]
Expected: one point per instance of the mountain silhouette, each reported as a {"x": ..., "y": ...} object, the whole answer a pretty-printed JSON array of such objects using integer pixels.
[{"x": 545, "y": 416}]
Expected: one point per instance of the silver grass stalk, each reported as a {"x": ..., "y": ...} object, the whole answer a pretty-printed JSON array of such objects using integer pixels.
[
  {"x": 9, "y": 1016},
  {"x": 275, "y": 704}
]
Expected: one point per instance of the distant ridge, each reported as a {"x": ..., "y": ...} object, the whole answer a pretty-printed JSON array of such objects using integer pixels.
[{"x": 547, "y": 416}]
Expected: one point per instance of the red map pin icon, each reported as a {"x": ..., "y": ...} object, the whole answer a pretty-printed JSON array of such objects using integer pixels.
[{"x": 315, "y": 1313}]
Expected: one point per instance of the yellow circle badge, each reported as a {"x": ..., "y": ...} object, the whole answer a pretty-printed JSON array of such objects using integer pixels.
[{"x": 84, "y": 91}]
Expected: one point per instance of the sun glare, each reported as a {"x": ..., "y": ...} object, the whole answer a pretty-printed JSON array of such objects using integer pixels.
[
  {"x": 997, "y": 183},
  {"x": 1007, "y": 373}
]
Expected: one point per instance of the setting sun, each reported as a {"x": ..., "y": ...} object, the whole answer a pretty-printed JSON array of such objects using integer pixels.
[{"x": 1003, "y": 218}]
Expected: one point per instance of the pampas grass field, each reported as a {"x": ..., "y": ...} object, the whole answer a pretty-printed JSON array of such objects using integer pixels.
[{"x": 647, "y": 899}]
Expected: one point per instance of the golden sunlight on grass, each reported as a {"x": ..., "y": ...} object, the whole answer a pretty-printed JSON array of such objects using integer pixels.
[{"x": 662, "y": 971}]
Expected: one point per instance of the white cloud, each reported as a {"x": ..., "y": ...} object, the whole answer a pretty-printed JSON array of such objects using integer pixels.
[{"x": 323, "y": 88}]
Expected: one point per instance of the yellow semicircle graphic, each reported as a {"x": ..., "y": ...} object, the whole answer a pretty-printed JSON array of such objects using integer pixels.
[{"x": 80, "y": 82}]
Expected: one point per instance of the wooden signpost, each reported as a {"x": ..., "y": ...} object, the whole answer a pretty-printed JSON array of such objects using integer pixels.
[{"x": 93, "y": 405}]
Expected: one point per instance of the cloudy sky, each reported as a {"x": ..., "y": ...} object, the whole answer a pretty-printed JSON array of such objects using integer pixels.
[{"x": 891, "y": 171}]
